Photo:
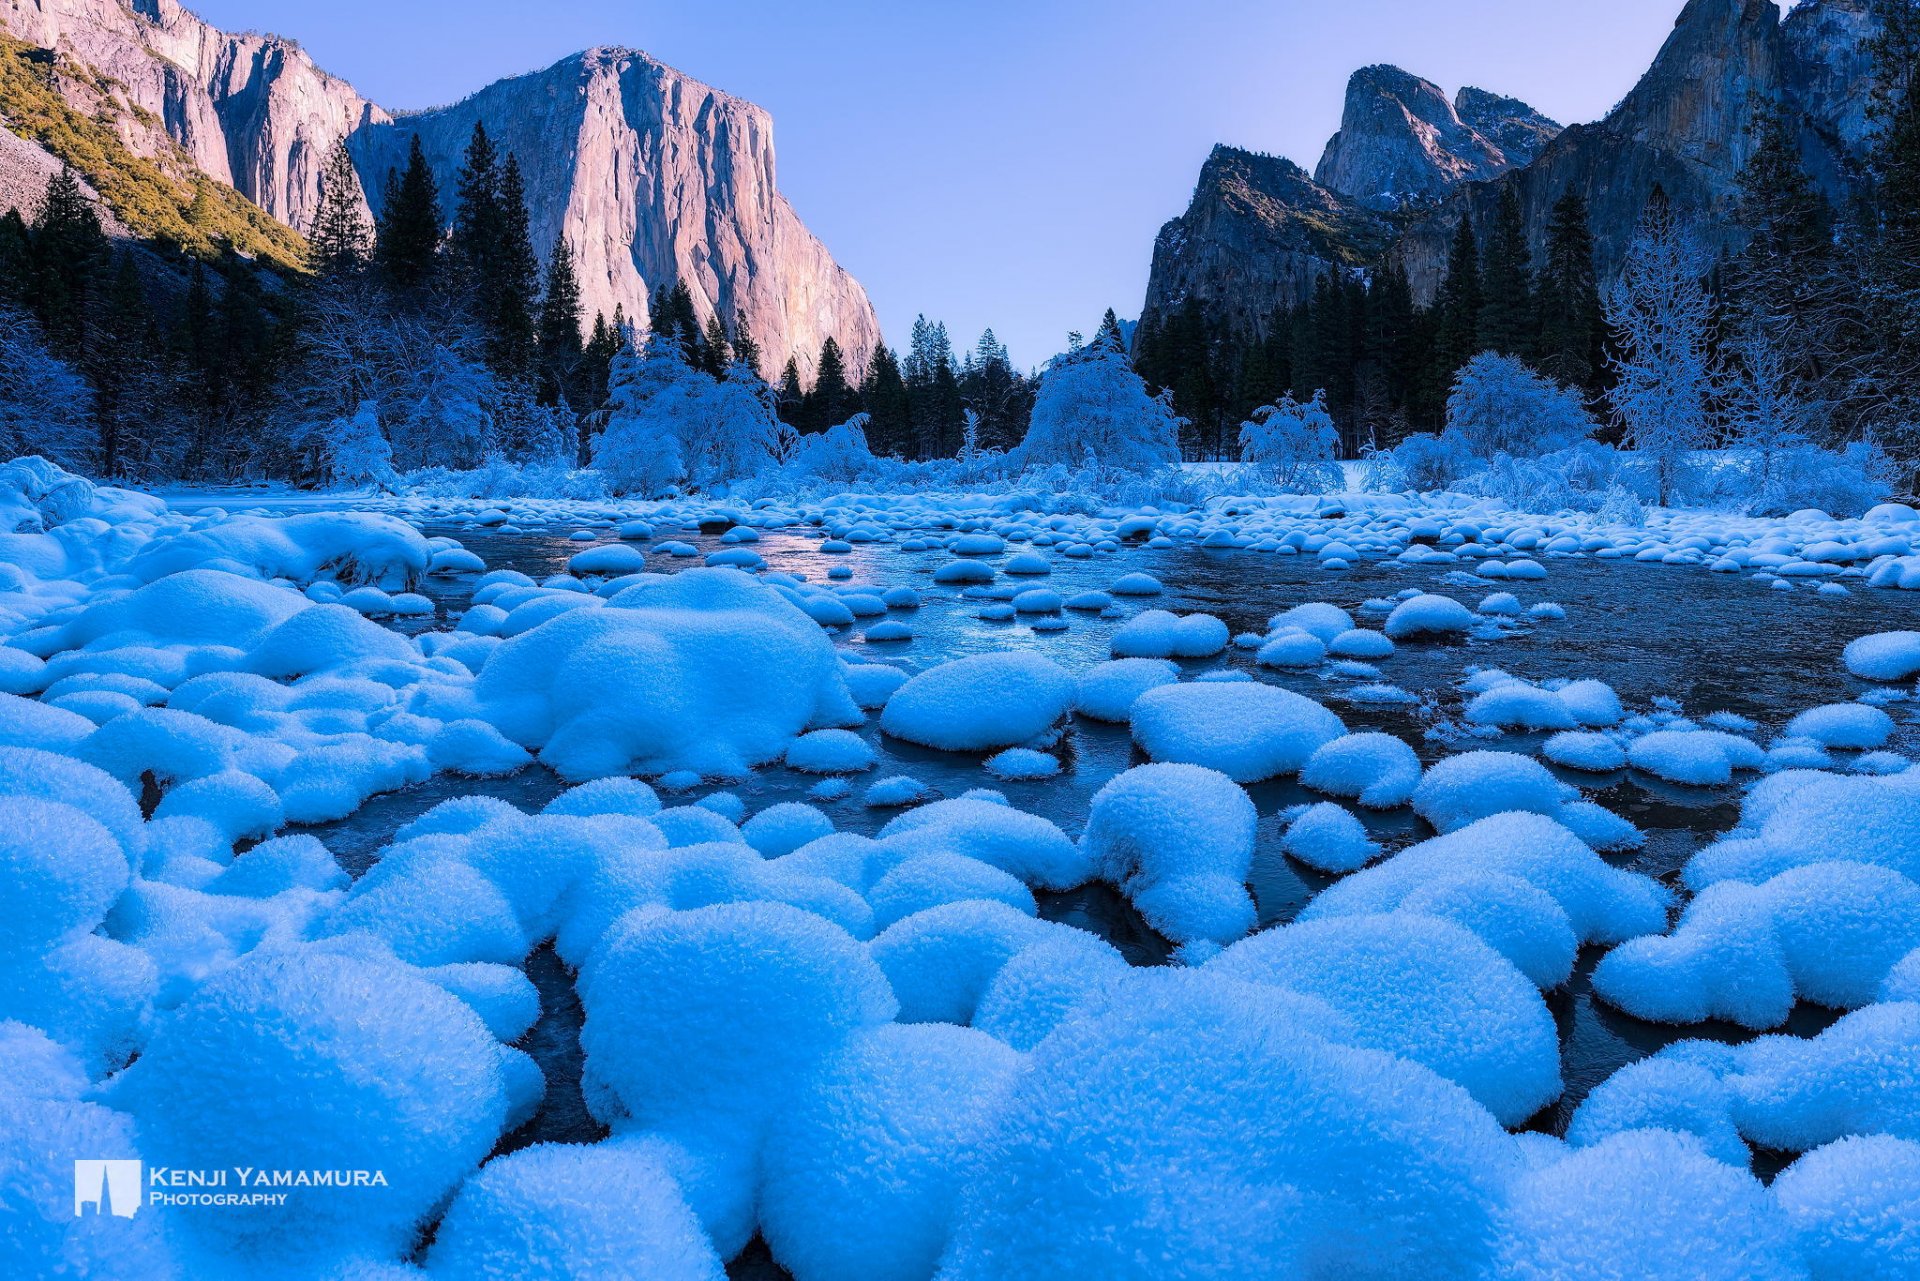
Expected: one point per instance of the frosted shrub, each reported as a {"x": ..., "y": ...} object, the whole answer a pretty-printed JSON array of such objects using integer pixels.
[
  {"x": 1091, "y": 402},
  {"x": 838, "y": 453},
  {"x": 358, "y": 452},
  {"x": 1294, "y": 444},
  {"x": 1622, "y": 506},
  {"x": 669, "y": 423},
  {"x": 46, "y": 407},
  {"x": 1840, "y": 484},
  {"x": 1429, "y": 462},
  {"x": 1379, "y": 473},
  {"x": 1500, "y": 406}
]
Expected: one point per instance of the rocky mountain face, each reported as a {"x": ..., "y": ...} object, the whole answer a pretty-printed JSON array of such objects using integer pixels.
[
  {"x": 1257, "y": 236},
  {"x": 1687, "y": 126},
  {"x": 252, "y": 111},
  {"x": 650, "y": 175},
  {"x": 1401, "y": 143}
]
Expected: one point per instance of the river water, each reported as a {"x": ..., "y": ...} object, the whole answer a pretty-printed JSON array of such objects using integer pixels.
[{"x": 1711, "y": 642}]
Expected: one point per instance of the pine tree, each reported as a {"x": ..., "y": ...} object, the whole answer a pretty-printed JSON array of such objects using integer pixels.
[
  {"x": 1573, "y": 326},
  {"x": 719, "y": 346},
  {"x": 884, "y": 393},
  {"x": 68, "y": 250},
  {"x": 1506, "y": 309},
  {"x": 339, "y": 241},
  {"x": 115, "y": 362},
  {"x": 832, "y": 400},
  {"x": 476, "y": 222},
  {"x": 408, "y": 246},
  {"x": 792, "y": 396},
  {"x": 514, "y": 282},
  {"x": 16, "y": 259},
  {"x": 1459, "y": 305},
  {"x": 602, "y": 346},
  {"x": 561, "y": 353},
  {"x": 745, "y": 350}
]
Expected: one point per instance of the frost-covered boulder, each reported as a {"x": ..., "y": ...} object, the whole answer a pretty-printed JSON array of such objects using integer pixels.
[
  {"x": 1802, "y": 816},
  {"x": 1106, "y": 691},
  {"x": 1825, "y": 932},
  {"x": 1329, "y": 838},
  {"x": 1270, "y": 1149},
  {"x": 1245, "y": 730},
  {"x": 1160, "y": 634},
  {"x": 1646, "y": 1203},
  {"x": 1423, "y": 988},
  {"x": 1601, "y": 903},
  {"x": 1378, "y": 770},
  {"x": 1885, "y": 656},
  {"x": 1023, "y": 845},
  {"x": 979, "y": 703},
  {"x": 558, "y": 1211},
  {"x": 312, "y": 1059},
  {"x": 1860, "y": 1076},
  {"x": 1699, "y": 758},
  {"x": 707, "y": 671},
  {"x": 1663, "y": 1092},
  {"x": 1466, "y": 788},
  {"x": 1178, "y": 840},
  {"x": 863, "y": 1172},
  {"x": 1428, "y": 616},
  {"x": 1856, "y": 1205},
  {"x": 703, "y": 1023}
]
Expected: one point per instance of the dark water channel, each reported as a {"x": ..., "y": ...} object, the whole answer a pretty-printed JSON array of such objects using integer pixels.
[{"x": 1710, "y": 642}]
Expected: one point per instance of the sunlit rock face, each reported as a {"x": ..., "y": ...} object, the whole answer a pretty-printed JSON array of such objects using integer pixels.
[{"x": 651, "y": 176}]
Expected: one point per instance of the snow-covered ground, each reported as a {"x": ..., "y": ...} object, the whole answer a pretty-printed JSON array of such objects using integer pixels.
[{"x": 845, "y": 1018}]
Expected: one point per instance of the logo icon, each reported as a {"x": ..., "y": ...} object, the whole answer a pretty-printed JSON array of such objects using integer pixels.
[{"x": 119, "y": 1179}]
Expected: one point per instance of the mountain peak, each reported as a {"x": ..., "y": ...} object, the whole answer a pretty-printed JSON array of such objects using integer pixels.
[{"x": 1402, "y": 142}]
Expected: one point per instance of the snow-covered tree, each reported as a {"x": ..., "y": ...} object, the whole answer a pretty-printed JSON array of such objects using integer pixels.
[
  {"x": 451, "y": 400},
  {"x": 669, "y": 423},
  {"x": 1092, "y": 404},
  {"x": 1294, "y": 443},
  {"x": 1662, "y": 321},
  {"x": 358, "y": 452},
  {"x": 45, "y": 405},
  {"x": 1500, "y": 406},
  {"x": 838, "y": 453},
  {"x": 1766, "y": 413}
]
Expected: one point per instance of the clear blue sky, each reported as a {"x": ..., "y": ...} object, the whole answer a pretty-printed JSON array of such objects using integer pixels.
[{"x": 997, "y": 162}]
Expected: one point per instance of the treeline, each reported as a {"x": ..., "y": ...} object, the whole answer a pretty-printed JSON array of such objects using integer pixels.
[
  {"x": 1814, "y": 321},
  {"x": 142, "y": 361},
  {"x": 1387, "y": 365},
  {"x": 94, "y": 374}
]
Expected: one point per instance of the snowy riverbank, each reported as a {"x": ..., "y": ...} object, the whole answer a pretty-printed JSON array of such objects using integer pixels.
[{"x": 796, "y": 844}]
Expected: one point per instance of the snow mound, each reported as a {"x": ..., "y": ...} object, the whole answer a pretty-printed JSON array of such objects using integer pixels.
[
  {"x": 1825, "y": 932},
  {"x": 1178, "y": 840},
  {"x": 1423, "y": 988},
  {"x": 1885, "y": 656},
  {"x": 1474, "y": 785},
  {"x": 1378, "y": 770},
  {"x": 980, "y": 703},
  {"x": 863, "y": 1173},
  {"x": 1245, "y": 730},
  {"x": 1646, "y": 1203},
  {"x": 1159, "y": 634},
  {"x": 1428, "y": 616},
  {"x": 1800, "y": 817},
  {"x": 558, "y": 1211},
  {"x": 315, "y": 1059},
  {"x": 707, "y": 671},
  {"x": 1270, "y": 1149}
]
